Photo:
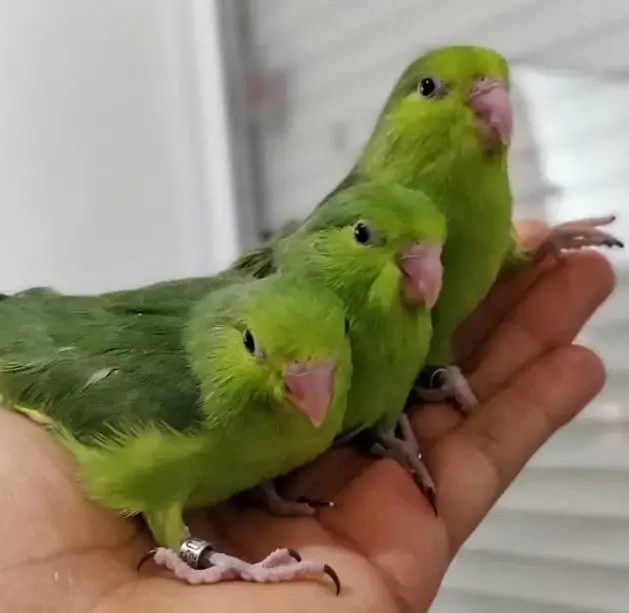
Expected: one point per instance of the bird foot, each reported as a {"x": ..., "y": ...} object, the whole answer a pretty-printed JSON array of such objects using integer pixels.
[
  {"x": 441, "y": 383},
  {"x": 266, "y": 495},
  {"x": 405, "y": 450},
  {"x": 578, "y": 234},
  {"x": 197, "y": 562}
]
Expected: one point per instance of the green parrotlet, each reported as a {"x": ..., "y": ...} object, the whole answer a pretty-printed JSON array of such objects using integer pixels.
[
  {"x": 184, "y": 408},
  {"x": 377, "y": 246}
]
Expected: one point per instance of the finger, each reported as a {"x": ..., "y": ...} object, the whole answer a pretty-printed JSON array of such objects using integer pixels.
[
  {"x": 383, "y": 515},
  {"x": 507, "y": 291},
  {"x": 169, "y": 595},
  {"x": 433, "y": 419},
  {"x": 328, "y": 474},
  {"x": 254, "y": 534},
  {"x": 475, "y": 463},
  {"x": 550, "y": 314}
]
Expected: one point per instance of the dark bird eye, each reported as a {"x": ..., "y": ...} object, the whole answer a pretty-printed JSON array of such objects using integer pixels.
[
  {"x": 362, "y": 233},
  {"x": 428, "y": 87},
  {"x": 249, "y": 343},
  {"x": 346, "y": 325}
]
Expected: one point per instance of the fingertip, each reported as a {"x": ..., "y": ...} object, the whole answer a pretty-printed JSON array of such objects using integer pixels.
[
  {"x": 587, "y": 276},
  {"x": 551, "y": 315},
  {"x": 531, "y": 233},
  {"x": 600, "y": 268},
  {"x": 392, "y": 523},
  {"x": 582, "y": 369},
  {"x": 594, "y": 363}
]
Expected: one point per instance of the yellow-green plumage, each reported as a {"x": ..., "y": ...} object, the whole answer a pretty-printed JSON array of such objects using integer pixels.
[
  {"x": 433, "y": 145},
  {"x": 389, "y": 338},
  {"x": 167, "y": 412}
]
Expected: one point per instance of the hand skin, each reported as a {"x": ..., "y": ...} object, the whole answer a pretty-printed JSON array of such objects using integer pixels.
[{"x": 62, "y": 554}]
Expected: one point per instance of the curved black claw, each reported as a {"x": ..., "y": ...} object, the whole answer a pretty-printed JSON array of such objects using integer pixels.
[
  {"x": 314, "y": 503},
  {"x": 144, "y": 559},
  {"x": 330, "y": 572},
  {"x": 294, "y": 554},
  {"x": 431, "y": 377},
  {"x": 431, "y": 495}
]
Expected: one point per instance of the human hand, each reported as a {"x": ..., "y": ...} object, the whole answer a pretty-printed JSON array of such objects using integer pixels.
[{"x": 63, "y": 554}]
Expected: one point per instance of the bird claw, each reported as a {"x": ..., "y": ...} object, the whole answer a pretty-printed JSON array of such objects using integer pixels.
[
  {"x": 578, "y": 234},
  {"x": 210, "y": 566},
  {"x": 405, "y": 450},
  {"x": 451, "y": 384},
  {"x": 289, "y": 508},
  {"x": 315, "y": 503},
  {"x": 273, "y": 503},
  {"x": 145, "y": 558}
]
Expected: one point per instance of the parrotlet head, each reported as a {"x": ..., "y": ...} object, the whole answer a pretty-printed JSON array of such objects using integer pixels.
[
  {"x": 452, "y": 100},
  {"x": 374, "y": 242},
  {"x": 275, "y": 345}
]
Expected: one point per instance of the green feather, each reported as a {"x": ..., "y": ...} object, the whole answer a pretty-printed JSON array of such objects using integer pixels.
[{"x": 171, "y": 297}]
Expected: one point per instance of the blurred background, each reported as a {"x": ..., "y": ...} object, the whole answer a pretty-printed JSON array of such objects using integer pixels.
[{"x": 155, "y": 139}]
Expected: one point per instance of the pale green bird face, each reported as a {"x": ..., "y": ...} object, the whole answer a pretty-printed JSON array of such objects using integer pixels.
[
  {"x": 375, "y": 242},
  {"x": 452, "y": 101},
  {"x": 289, "y": 353}
]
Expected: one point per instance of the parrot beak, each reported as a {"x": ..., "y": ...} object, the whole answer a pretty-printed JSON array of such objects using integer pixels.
[
  {"x": 422, "y": 273},
  {"x": 310, "y": 388},
  {"x": 491, "y": 102}
]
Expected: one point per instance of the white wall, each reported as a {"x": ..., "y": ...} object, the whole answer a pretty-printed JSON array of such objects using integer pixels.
[{"x": 103, "y": 177}]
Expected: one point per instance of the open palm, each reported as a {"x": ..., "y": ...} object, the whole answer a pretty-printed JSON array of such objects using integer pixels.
[{"x": 62, "y": 554}]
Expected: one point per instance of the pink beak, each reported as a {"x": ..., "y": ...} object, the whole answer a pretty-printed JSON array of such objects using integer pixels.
[
  {"x": 310, "y": 388},
  {"x": 422, "y": 273},
  {"x": 491, "y": 102}
]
